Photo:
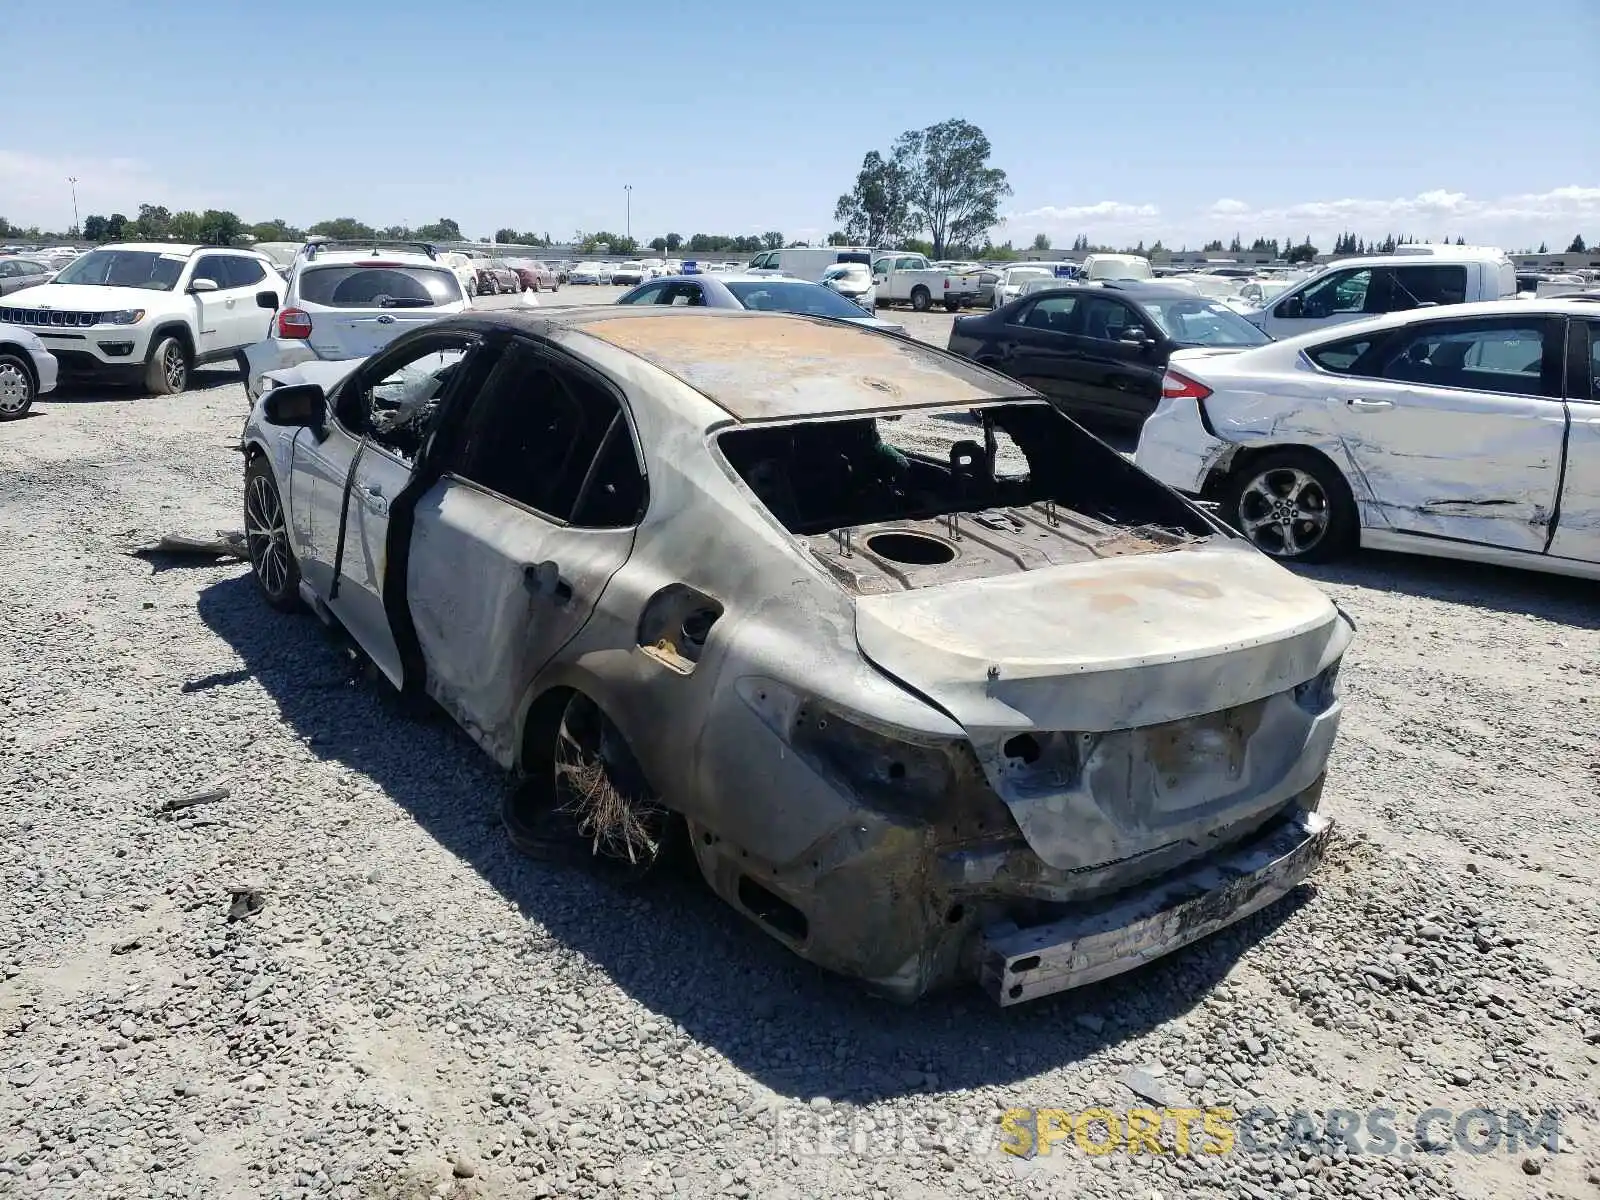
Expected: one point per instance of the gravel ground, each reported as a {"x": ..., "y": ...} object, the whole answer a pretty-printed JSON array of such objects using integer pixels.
[{"x": 416, "y": 1011}]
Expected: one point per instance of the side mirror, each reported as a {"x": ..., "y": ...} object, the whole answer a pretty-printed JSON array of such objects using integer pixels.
[
  {"x": 1290, "y": 307},
  {"x": 1134, "y": 336},
  {"x": 299, "y": 405},
  {"x": 203, "y": 285},
  {"x": 267, "y": 300}
]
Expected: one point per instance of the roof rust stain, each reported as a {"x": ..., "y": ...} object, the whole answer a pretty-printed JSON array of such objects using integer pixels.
[{"x": 760, "y": 366}]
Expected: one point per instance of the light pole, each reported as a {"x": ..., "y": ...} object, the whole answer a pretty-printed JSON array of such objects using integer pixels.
[
  {"x": 73, "y": 180},
  {"x": 627, "y": 230}
]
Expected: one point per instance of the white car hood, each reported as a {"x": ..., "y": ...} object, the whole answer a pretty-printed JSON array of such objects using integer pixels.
[
  {"x": 82, "y": 297},
  {"x": 329, "y": 373}
]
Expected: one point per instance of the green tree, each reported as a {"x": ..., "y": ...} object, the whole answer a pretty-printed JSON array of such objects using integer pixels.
[
  {"x": 838, "y": 238},
  {"x": 94, "y": 228},
  {"x": 443, "y": 230},
  {"x": 343, "y": 229},
  {"x": 1214, "y": 244},
  {"x": 875, "y": 211},
  {"x": 219, "y": 227},
  {"x": 951, "y": 190},
  {"x": 1081, "y": 242},
  {"x": 1041, "y": 241},
  {"x": 772, "y": 239},
  {"x": 185, "y": 226},
  {"x": 659, "y": 245},
  {"x": 507, "y": 236},
  {"x": 617, "y": 243},
  {"x": 276, "y": 230},
  {"x": 918, "y": 246},
  {"x": 1543, "y": 248},
  {"x": 674, "y": 242},
  {"x": 1236, "y": 246},
  {"x": 1305, "y": 252},
  {"x": 154, "y": 221},
  {"x": 1578, "y": 246}
]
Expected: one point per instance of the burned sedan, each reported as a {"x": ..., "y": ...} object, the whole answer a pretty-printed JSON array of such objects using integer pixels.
[{"x": 934, "y": 685}]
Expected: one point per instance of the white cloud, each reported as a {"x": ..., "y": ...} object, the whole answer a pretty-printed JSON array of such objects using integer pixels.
[
  {"x": 1512, "y": 221},
  {"x": 1104, "y": 210},
  {"x": 36, "y": 191}
]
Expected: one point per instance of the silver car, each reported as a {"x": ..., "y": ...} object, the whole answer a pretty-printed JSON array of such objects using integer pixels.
[
  {"x": 757, "y": 293},
  {"x": 998, "y": 709},
  {"x": 19, "y": 273}
]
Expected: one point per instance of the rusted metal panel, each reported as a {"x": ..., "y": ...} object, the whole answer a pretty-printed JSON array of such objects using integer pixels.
[
  {"x": 1024, "y": 964},
  {"x": 761, "y": 366}
]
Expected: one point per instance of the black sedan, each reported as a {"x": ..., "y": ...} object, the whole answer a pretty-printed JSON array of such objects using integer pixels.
[{"x": 1099, "y": 350}]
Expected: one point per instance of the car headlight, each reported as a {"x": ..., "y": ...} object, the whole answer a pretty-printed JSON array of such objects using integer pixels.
[{"x": 123, "y": 316}]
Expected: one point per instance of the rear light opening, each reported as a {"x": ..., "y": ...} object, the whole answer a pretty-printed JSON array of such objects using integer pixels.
[
  {"x": 294, "y": 323},
  {"x": 1177, "y": 386}
]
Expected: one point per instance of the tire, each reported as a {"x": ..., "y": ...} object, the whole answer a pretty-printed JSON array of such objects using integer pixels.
[
  {"x": 17, "y": 389},
  {"x": 952, "y": 306},
  {"x": 166, "y": 371},
  {"x": 1293, "y": 505},
  {"x": 472, "y": 288},
  {"x": 577, "y": 754},
  {"x": 491, "y": 287},
  {"x": 266, "y": 533},
  {"x": 921, "y": 298}
]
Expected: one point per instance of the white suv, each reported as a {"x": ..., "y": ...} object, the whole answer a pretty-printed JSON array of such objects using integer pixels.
[
  {"x": 148, "y": 313},
  {"x": 343, "y": 303}
]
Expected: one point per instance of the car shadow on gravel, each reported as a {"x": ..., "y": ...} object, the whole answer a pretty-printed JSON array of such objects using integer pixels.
[
  {"x": 671, "y": 944},
  {"x": 204, "y": 379},
  {"x": 1556, "y": 598}
]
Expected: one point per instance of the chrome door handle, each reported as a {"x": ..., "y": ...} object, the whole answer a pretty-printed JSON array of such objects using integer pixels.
[{"x": 1360, "y": 404}]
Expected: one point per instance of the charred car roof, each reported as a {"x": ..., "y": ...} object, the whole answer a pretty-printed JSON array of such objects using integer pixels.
[{"x": 773, "y": 366}]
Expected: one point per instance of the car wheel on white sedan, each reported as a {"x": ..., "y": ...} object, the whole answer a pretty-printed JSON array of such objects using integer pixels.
[
  {"x": 16, "y": 388},
  {"x": 266, "y": 534},
  {"x": 1292, "y": 505}
]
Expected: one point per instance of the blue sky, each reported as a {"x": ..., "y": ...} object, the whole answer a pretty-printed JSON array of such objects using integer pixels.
[{"x": 1177, "y": 120}]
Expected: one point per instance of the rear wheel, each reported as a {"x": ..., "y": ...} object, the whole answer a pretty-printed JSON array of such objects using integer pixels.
[
  {"x": 1293, "y": 505},
  {"x": 166, "y": 372},
  {"x": 952, "y": 305},
  {"x": 921, "y": 298},
  {"x": 16, "y": 387},
  {"x": 585, "y": 796},
  {"x": 491, "y": 287}
]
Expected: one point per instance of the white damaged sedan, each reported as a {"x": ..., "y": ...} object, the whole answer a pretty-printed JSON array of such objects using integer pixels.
[{"x": 1470, "y": 431}]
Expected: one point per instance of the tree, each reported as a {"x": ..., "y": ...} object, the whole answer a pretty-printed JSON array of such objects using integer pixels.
[
  {"x": 507, "y": 236},
  {"x": 94, "y": 228},
  {"x": 838, "y": 238},
  {"x": 443, "y": 230},
  {"x": 185, "y": 226},
  {"x": 1214, "y": 244},
  {"x": 343, "y": 229},
  {"x": 772, "y": 239},
  {"x": 950, "y": 189},
  {"x": 1305, "y": 252},
  {"x": 616, "y": 243},
  {"x": 659, "y": 245},
  {"x": 674, "y": 242},
  {"x": 219, "y": 228},
  {"x": 276, "y": 230},
  {"x": 154, "y": 221},
  {"x": 1578, "y": 246},
  {"x": 1236, "y": 246},
  {"x": 1543, "y": 248},
  {"x": 1081, "y": 242},
  {"x": 874, "y": 212},
  {"x": 1041, "y": 241}
]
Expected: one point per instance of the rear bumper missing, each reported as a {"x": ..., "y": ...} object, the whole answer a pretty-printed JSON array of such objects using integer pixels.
[{"x": 1015, "y": 965}]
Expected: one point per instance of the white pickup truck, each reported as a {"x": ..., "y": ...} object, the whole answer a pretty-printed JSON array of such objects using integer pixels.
[
  {"x": 1354, "y": 289},
  {"x": 911, "y": 279}
]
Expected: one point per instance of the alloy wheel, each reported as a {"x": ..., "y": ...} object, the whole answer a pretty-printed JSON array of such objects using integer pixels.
[
  {"x": 16, "y": 389},
  {"x": 173, "y": 366},
  {"x": 266, "y": 536},
  {"x": 1284, "y": 511}
]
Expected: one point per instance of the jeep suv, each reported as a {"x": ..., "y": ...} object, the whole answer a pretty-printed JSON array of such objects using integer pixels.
[{"x": 148, "y": 313}]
